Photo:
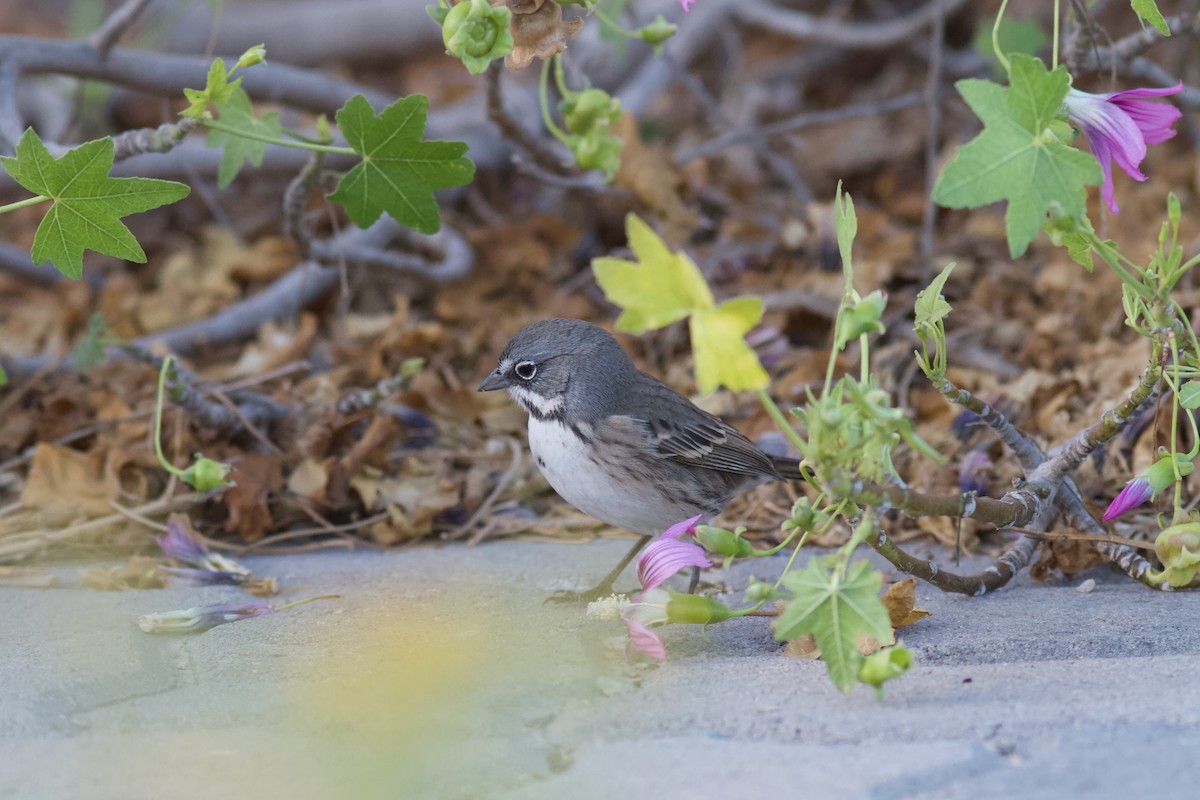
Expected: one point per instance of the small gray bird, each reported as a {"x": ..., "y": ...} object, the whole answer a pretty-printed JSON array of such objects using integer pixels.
[{"x": 618, "y": 444}]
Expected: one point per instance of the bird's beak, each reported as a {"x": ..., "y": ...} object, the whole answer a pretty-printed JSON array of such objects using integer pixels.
[{"x": 494, "y": 381}]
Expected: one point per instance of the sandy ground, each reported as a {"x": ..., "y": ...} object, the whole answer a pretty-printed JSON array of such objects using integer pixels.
[{"x": 440, "y": 673}]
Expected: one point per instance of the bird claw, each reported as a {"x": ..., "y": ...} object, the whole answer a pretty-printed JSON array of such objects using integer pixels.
[{"x": 572, "y": 596}]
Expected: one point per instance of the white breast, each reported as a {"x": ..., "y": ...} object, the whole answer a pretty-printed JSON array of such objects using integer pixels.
[{"x": 568, "y": 466}]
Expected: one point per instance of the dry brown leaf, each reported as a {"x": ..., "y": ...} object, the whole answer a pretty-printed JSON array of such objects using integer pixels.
[
  {"x": 256, "y": 475},
  {"x": 65, "y": 485},
  {"x": 802, "y": 647},
  {"x": 900, "y": 600},
  {"x": 653, "y": 178}
]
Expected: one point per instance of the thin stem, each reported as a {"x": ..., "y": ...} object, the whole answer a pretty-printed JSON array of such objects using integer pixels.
[
  {"x": 158, "y": 409},
  {"x": 996, "y": 36},
  {"x": 29, "y": 201},
  {"x": 788, "y": 566},
  {"x": 261, "y": 137},
  {"x": 1054, "y": 40},
  {"x": 781, "y": 421},
  {"x": 613, "y": 25},
  {"x": 544, "y": 97}
]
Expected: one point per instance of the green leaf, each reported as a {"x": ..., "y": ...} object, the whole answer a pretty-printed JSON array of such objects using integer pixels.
[
  {"x": 931, "y": 308},
  {"x": 1016, "y": 158},
  {"x": 237, "y": 112},
  {"x": 846, "y": 226},
  {"x": 217, "y": 89},
  {"x": 399, "y": 172},
  {"x": 718, "y": 341},
  {"x": 1147, "y": 11},
  {"x": 1189, "y": 395},
  {"x": 88, "y": 204},
  {"x": 659, "y": 288},
  {"x": 836, "y": 612}
]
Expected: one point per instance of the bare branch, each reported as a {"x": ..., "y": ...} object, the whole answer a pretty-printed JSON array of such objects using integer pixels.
[
  {"x": 845, "y": 35},
  {"x": 167, "y": 74},
  {"x": 10, "y": 116},
  {"x": 118, "y": 22}
]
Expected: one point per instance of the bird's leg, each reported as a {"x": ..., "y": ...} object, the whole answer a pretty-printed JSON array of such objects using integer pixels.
[{"x": 605, "y": 587}]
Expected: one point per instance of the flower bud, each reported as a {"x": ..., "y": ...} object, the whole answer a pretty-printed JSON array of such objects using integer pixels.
[
  {"x": 255, "y": 55},
  {"x": 1178, "y": 548},
  {"x": 721, "y": 542},
  {"x": 695, "y": 610},
  {"x": 477, "y": 34},
  {"x": 883, "y": 665},
  {"x": 657, "y": 32},
  {"x": 205, "y": 474}
]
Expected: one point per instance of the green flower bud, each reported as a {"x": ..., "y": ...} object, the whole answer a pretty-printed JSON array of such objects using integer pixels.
[
  {"x": 1178, "y": 548},
  {"x": 1060, "y": 130},
  {"x": 760, "y": 591},
  {"x": 438, "y": 13},
  {"x": 477, "y": 34},
  {"x": 721, "y": 542},
  {"x": 324, "y": 129},
  {"x": 588, "y": 110},
  {"x": 883, "y": 665},
  {"x": 695, "y": 610},
  {"x": 657, "y": 32},
  {"x": 205, "y": 474},
  {"x": 255, "y": 55},
  {"x": 599, "y": 150}
]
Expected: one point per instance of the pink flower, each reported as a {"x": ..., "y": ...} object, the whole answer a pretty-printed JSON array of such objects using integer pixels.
[
  {"x": 666, "y": 555},
  {"x": 687, "y": 4},
  {"x": 661, "y": 559},
  {"x": 1136, "y": 492},
  {"x": 1119, "y": 125},
  {"x": 1147, "y": 484}
]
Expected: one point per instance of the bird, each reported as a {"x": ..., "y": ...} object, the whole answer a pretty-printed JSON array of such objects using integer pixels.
[{"x": 617, "y": 443}]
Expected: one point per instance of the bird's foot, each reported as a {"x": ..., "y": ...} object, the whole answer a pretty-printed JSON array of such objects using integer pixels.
[{"x": 600, "y": 590}]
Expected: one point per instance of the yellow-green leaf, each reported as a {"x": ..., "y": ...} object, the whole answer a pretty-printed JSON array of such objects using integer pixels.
[
  {"x": 658, "y": 288},
  {"x": 718, "y": 341}
]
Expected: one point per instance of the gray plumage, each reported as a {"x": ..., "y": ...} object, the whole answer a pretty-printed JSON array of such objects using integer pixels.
[{"x": 617, "y": 443}]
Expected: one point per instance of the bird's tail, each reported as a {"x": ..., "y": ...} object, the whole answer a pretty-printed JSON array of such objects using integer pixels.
[{"x": 788, "y": 468}]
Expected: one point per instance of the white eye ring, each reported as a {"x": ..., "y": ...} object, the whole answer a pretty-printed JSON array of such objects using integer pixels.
[{"x": 525, "y": 370}]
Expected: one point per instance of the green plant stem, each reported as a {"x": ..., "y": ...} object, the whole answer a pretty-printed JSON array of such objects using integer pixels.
[
  {"x": 29, "y": 201},
  {"x": 1000, "y": 57},
  {"x": 1054, "y": 40},
  {"x": 781, "y": 421},
  {"x": 544, "y": 97},
  {"x": 260, "y": 137},
  {"x": 788, "y": 566},
  {"x": 613, "y": 25},
  {"x": 1112, "y": 258},
  {"x": 158, "y": 409}
]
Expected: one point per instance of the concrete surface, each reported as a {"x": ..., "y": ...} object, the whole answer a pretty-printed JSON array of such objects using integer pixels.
[{"x": 441, "y": 674}]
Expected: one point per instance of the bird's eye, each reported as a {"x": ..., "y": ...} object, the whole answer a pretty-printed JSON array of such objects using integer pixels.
[{"x": 526, "y": 370}]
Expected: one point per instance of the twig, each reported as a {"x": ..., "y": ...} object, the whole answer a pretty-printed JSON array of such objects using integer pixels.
[
  {"x": 119, "y": 21},
  {"x": 162, "y": 139},
  {"x": 1008, "y": 565},
  {"x": 1076, "y": 536},
  {"x": 846, "y": 35},
  {"x": 167, "y": 74},
  {"x": 455, "y": 261},
  {"x": 24, "y": 545},
  {"x": 295, "y": 198},
  {"x": 799, "y": 121},
  {"x": 514, "y": 131},
  {"x": 510, "y": 474},
  {"x": 10, "y": 115}
]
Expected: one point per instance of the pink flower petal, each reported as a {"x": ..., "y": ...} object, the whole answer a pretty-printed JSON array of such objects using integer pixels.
[
  {"x": 666, "y": 555},
  {"x": 1119, "y": 126},
  {"x": 687, "y": 4},
  {"x": 642, "y": 639},
  {"x": 1136, "y": 492}
]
